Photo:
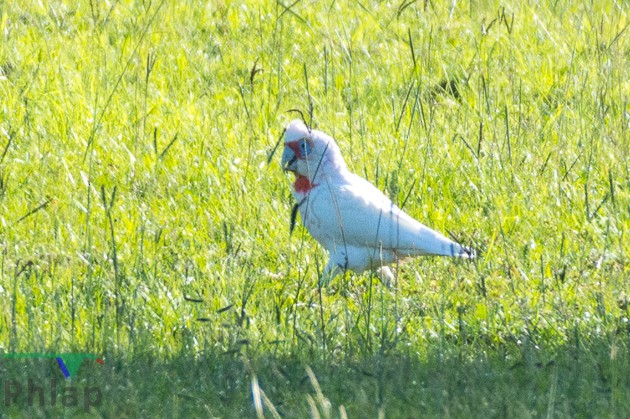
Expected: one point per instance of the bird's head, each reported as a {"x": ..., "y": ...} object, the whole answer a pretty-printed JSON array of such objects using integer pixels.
[{"x": 310, "y": 154}]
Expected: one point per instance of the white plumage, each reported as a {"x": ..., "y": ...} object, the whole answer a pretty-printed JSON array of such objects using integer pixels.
[{"x": 359, "y": 226}]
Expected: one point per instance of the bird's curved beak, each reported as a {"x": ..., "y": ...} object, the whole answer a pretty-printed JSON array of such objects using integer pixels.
[{"x": 289, "y": 160}]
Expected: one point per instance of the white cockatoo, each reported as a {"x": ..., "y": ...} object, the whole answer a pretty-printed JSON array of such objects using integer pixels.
[{"x": 359, "y": 226}]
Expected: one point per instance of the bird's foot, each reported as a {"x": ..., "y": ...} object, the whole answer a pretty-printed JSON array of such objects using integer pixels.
[
  {"x": 386, "y": 276},
  {"x": 329, "y": 274},
  {"x": 325, "y": 279}
]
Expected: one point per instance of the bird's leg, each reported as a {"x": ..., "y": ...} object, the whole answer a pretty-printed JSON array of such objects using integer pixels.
[
  {"x": 385, "y": 275},
  {"x": 330, "y": 272}
]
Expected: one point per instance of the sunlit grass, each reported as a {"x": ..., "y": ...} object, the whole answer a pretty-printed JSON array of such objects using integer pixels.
[{"x": 139, "y": 218}]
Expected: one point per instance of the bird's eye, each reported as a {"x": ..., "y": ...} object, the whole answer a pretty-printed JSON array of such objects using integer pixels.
[{"x": 305, "y": 148}]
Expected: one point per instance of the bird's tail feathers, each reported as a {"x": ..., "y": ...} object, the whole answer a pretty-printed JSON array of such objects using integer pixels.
[
  {"x": 461, "y": 250},
  {"x": 464, "y": 252},
  {"x": 429, "y": 242}
]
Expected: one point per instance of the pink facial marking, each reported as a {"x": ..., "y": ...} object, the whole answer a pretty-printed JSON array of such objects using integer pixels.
[{"x": 293, "y": 145}]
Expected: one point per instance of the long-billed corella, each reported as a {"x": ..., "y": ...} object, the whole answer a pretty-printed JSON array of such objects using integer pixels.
[{"x": 354, "y": 221}]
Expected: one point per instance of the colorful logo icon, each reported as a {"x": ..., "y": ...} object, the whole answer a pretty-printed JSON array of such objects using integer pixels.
[{"x": 69, "y": 363}]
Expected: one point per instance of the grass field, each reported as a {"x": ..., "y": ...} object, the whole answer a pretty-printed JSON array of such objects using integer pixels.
[{"x": 141, "y": 222}]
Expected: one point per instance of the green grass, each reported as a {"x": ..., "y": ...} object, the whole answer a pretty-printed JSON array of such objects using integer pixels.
[{"x": 140, "y": 221}]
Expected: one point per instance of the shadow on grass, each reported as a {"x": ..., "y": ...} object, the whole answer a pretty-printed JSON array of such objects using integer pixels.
[{"x": 584, "y": 380}]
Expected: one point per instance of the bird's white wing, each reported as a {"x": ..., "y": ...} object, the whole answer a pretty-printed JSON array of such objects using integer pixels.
[{"x": 363, "y": 216}]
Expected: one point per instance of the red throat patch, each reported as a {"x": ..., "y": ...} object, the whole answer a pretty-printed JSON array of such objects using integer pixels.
[{"x": 302, "y": 184}]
